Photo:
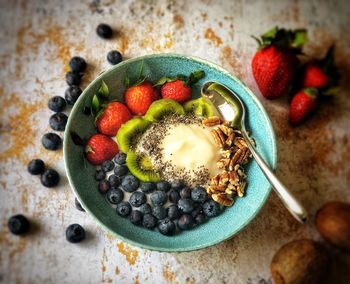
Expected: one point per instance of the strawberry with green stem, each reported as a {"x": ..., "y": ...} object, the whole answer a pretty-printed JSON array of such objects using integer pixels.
[
  {"x": 303, "y": 104},
  {"x": 179, "y": 87},
  {"x": 275, "y": 63}
]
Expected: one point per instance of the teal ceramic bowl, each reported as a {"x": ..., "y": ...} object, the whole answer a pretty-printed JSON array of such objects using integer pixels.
[{"x": 232, "y": 220}]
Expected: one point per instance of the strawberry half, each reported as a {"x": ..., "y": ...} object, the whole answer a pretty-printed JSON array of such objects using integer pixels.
[
  {"x": 138, "y": 98},
  {"x": 100, "y": 148},
  {"x": 275, "y": 63},
  {"x": 303, "y": 105},
  {"x": 112, "y": 117}
]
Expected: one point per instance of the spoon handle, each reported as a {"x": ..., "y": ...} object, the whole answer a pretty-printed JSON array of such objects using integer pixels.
[{"x": 292, "y": 204}]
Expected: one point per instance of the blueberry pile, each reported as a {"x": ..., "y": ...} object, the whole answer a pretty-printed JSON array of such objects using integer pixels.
[{"x": 167, "y": 207}]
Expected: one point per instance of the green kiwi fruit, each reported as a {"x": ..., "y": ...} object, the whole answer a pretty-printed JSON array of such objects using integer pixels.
[
  {"x": 199, "y": 107},
  {"x": 129, "y": 132},
  {"x": 162, "y": 108},
  {"x": 141, "y": 167}
]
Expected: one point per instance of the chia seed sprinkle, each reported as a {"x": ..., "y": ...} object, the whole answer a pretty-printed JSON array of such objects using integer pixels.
[{"x": 151, "y": 142}]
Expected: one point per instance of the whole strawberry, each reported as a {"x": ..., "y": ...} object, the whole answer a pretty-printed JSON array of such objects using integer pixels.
[
  {"x": 321, "y": 74},
  {"x": 176, "y": 91},
  {"x": 275, "y": 63},
  {"x": 111, "y": 118},
  {"x": 179, "y": 88},
  {"x": 138, "y": 98},
  {"x": 303, "y": 105},
  {"x": 100, "y": 148}
]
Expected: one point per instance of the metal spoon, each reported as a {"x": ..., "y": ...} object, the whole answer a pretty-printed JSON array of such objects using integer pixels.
[{"x": 231, "y": 108}]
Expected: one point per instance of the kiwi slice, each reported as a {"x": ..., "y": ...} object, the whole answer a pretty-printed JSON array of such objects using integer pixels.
[
  {"x": 141, "y": 167},
  {"x": 129, "y": 132},
  {"x": 199, "y": 107},
  {"x": 162, "y": 108}
]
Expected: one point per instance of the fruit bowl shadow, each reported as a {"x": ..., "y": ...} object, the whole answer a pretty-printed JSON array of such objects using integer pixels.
[{"x": 81, "y": 174}]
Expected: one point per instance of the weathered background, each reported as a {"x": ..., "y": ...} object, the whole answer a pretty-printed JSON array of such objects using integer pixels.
[{"x": 37, "y": 39}]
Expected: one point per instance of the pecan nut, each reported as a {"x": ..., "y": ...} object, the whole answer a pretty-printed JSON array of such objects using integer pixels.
[
  {"x": 222, "y": 198},
  {"x": 211, "y": 121}
]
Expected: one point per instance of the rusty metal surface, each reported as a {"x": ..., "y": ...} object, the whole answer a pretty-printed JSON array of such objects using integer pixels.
[{"x": 37, "y": 39}]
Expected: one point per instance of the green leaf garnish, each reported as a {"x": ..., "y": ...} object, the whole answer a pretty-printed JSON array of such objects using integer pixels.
[
  {"x": 126, "y": 82},
  {"x": 100, "y": 112},
  {"x": 195, "y": 77},
  {"x": 103, "y": 91},
  {"x": 300, "y": 38},
  {"x": 95, "y": 104},
  {"x": 164, "y": 80}
]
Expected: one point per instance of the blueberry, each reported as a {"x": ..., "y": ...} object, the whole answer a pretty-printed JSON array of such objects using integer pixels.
[
  {"x": 159, "y": 212},
  {"x": 87, "y": 110},
  {"x": 185, "y": 205},
  {"x": 185, "y": 192},
  {"x": 211, "y": 208},
  {"x": 137, "y": 198},
  {"x": 73, "y": 78},
  {"x": 124, "y": 208},
  {"x": 100, "y": 175},
  {"x": 200, "y": 218},
  {"x": 107, "y": 166},
  {"x": 163, "y": 185},
  {"x": 58, "y": 121},
  {"x": 177, "y": 184},
  {"x": 114, "y": 181},
  {"x": 130, "y": 183},
  {"x": 36, "y": 167},
  {"x": 146, "y": 208},
  {"x": 72, "y": 94},
  {"x": 149, "y": 221},
  {"x": 115, "y": 195},
  {"x": 114, "y": 57},
  {"x": 185, "y": 222},
  {"x": 136, "y": 217},
  {"x": 167, "y": 227},
  {"x": 174, "y": 196},
  {"x": 18, "y": 224},
  {"x": 173, "y": 212},
  {"x": 50, "y": 178},
  {"x": 75, "y": 233},
  {"x": 77, "y": 64},
  {"x": 104, "y": 31},
  {"x": 198, "y": 209},
  {"x": 78, "y": 205},
  {"x": 104, "y": 186},
  {"x": 121, "y": 170},
  {"x": 57, "y": 104},
  {"x": 198, "y": 194},
  {"x": 120, "y": 158},
  {"x": 158, "y": 197},
  {"x": 51, "y": 141},
  {"x": 147, "y": 187}
]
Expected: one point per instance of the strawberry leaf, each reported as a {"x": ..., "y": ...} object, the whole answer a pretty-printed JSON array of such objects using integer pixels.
[
  {"x": 103, "y": 91},
  {"x": 195, "y": 77},
  {"x": 95, "y": 104},
  {"x": 299, "y": 38},
  {"x": 77, "y": 140},
  {"x": 164, "y": 80}
]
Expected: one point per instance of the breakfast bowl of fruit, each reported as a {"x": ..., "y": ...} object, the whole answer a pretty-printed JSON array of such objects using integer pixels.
[{"x": 154, "y": 163}]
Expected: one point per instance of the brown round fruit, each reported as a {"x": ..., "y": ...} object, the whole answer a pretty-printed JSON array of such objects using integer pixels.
[
  {"x": 333, "y": 223},
  {"x": 301, "y": 261}
]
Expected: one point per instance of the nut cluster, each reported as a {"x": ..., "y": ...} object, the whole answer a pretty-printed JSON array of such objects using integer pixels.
[{"x": 234, "y": 153}]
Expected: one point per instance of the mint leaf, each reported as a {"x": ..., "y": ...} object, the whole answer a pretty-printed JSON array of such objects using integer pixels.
[
  {"x": 100, "y": 112},
  {"x": 196, "y": 76},
  {"x": 141, "y": 70},
  {"x": 140, "y": 81},
  {"x": 103, "y": 91},
  {"x": 95, "y": 104}
]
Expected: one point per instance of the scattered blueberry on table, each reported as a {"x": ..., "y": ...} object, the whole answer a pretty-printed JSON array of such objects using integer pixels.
[
  {"x": 50, "y": 178},
  {"x": 58, "y": 121},
  {"x": 57, "y": 104},
  {"x": 18, "y": 224},
  {"x": 51, "y": 141},
  {"x": 75, "y": 233},
  {"x": 73, "y": 78},
  {"x": 104, "y": 31},
  {"x": 114, "y": 57},
  {"x": 77, "y": 64},
  {"x": 72, "y": 94},
  {"x": 36, "y": 167}
]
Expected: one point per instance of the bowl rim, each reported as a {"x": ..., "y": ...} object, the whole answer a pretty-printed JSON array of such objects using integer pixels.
[{"x": 145, "y": 246}]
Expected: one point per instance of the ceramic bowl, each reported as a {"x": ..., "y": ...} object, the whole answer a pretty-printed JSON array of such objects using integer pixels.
[{"x": 81, "y": 174}]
